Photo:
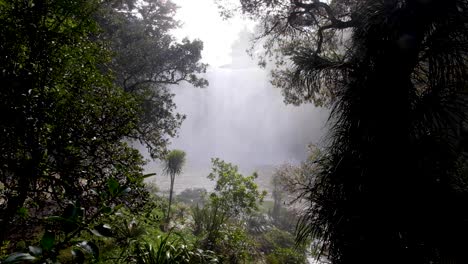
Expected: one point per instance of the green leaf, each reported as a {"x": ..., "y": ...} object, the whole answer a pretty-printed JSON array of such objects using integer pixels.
[
  {"x": 102, "y": 230},
  {"x": 19, "y": 257},
  {"x": 55, "y": 218},
  {"x": 73, "y": 212},
  {"x": 89, "y": 247},
  {"x": 113, "y": 185},
  {"x": 60, "y": 219},
  {"x": 93, "y": 191},
  {"x": 126, "y": 190},
  {"x": 106, "y": 210},
  {"x": 117, "y": 207},
  {"x": 23, "y": 212},
  {"x": 47, "y": 241},
  {"x": 78, "y": 256},
  {"x": 35, "y": 251}
]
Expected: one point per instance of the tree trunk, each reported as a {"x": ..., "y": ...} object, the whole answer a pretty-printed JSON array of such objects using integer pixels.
[{"x": 171, "y": 190}]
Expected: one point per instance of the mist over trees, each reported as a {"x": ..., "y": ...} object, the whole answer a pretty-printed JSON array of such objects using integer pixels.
[
  {"x": 80, "y": 83},
  {"x": 83, "y": 82}
]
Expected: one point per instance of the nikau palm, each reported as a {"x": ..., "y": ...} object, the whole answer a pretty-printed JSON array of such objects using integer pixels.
[{"x": 173, "y": 164}]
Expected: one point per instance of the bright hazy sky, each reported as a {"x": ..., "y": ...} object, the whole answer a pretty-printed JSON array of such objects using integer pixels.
[{"x": 201, "y": 20}]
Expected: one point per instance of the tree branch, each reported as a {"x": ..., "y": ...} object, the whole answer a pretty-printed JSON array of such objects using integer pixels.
[{"x": 334, "y": 23}]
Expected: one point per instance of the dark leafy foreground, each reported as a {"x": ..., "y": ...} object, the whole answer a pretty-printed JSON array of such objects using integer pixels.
[
  {"x": 81, "y": 81},
  {"x": 391, "y": 187},
  {"x": 70, "y": 112},
  {"x": 226, "y": 228}
]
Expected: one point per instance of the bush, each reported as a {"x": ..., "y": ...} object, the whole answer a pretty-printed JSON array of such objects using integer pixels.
[
  {"x": 192, "y": 196},
  {"x": 279, "y": 247},
  {"x": 286, "y": 256}
]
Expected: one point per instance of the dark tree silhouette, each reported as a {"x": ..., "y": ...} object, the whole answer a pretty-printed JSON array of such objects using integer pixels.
[{"x": 391, "y": 188}]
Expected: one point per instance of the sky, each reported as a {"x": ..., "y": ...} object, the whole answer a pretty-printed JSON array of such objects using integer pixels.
[{"x": 201, "y": 20}]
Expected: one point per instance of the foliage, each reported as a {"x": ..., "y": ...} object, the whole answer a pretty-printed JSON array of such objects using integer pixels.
[
  {"x": 234, "y": 245},
  {"x": 127, "y": 231},
  {"x": 67, "y": 165},
  {"x": 145, "y": 51},
  {"x": 80, "y": 81},
  {"x": 173, "y": 164},
  {"x": 307, "y": 40},
  {"x": 276, "y": 238},
  {"x": 193, "y": 196},
  {"x": 220, "y": 223},
  {"x": 279, "y": 247},
  {"x": 285, "y": 256},
  {"x": 166, "y": 250},
  {"x": 50, "y": 77},
  {"x": 291, "y": 184},
  {"x": 388, "y": 184},
  {"x": 234, "y": 194},
  {"x": 293, "y": 180},
  {"x": 227, "y": 238},
  {"x": 258, "y": 223},
  {"x": 147, "y": 59},
  {"x": 138, "y": 239},
  {"x": 207, "y": 222}
]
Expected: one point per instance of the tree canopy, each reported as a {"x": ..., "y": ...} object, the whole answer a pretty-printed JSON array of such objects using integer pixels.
[
  {"x": 174, "y": 162},
  {"x": 146, "y": 60},
  {"x": 235, "y": 194},
  {"x": 68, "y": 113}
]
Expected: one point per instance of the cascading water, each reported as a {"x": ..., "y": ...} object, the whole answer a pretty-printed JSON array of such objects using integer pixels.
[{"x": 240, "y": 118}]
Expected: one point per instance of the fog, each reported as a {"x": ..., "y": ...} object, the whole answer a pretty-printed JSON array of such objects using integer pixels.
[{"x": 240, "y": 118}]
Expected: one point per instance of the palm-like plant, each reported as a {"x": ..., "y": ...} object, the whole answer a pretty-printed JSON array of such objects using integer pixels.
[
  {"x": 173, "y": 164},
  {"x": 172, "y": 248}
]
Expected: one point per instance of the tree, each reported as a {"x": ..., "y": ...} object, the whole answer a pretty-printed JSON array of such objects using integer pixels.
[
  {"x": 147, "y": 60},
  {"x": 68, "y": 118},
  {"x": 307, "y": 42},
  {"x": 235, "y": 194},
  {"x": 173, "y": 164},
  {"x": 277, "y": 195},
  {"x": 50, "y": 78},
  {"x": 192, "y": 196},
  {"x": 291, "y": 182},
  {"x": 220, "y": 221},
  {"x": 388, "y": 188}
]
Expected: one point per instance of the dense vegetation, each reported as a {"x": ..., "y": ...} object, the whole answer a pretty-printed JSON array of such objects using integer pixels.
[{"x": 81, "y": 83}]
